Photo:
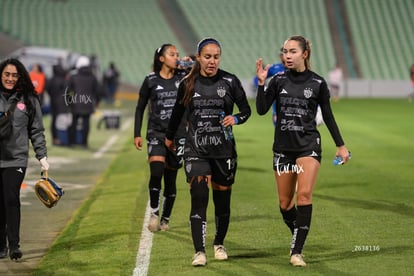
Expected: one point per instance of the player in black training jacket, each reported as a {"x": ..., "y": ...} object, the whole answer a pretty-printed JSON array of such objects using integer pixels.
[
  {"x": 297, "y": 143},
  {"x": 159, "y": 88},
  {"x": 210, "y": 157}
]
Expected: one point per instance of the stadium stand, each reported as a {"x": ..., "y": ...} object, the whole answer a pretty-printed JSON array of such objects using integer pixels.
[
  {"x": 251, "y": 29},
  {"x": 383, "y": 35},
  {"x": 128, "y": 31},
  {"x": 341, "y": 38}
]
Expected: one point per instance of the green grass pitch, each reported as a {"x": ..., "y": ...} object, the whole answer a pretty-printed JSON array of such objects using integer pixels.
[{"x": 362, "y": 219}]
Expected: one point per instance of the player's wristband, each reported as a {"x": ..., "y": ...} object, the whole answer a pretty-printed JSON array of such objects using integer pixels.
[{"x": 236, "y": 121}]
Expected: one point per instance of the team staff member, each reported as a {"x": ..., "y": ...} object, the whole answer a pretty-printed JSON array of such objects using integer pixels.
[
  {"x": 210, "y": 159},
  {"x": 17, "y": 89},
  {"x": 83, "y": 96},
  {"x": 39, "y": 81},
  {"x": 411, "y": 95},
  {"x": 160, "y": 89},
  {"x": 297, "y": 142}
]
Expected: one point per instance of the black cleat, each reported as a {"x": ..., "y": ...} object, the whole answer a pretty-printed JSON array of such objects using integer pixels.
[
  {"x": 3, "y": 253},
  {"x": 15, "y": 253}
]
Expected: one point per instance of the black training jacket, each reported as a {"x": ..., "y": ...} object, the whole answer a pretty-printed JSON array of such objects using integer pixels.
[
  {"x": 211, "y": 96},
  {"x": 297, "y": 97}
]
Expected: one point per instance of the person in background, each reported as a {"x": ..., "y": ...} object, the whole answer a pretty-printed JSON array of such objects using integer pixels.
[
  {"x": 17, "y": 90},
  {"x": 208, "y": 95},
  {"x": 95, "y": 67},
  {"x": 56, "y": 87},
  {"x": 297, "y": 142},
  {"x": 274, "y": 69},
  {"x": 111, "y": 81},
  {"x": 159, "y": 88},
  {"x": 335, "y": 80},
  {"x": 82, "y": 96},
  {"x": 411, "y": 95},
  {"x": 39, "y": 81}
]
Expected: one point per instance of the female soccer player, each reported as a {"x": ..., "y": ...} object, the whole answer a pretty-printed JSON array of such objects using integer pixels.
[
  {"x": 210, "y": 154},
  {"x": 297, "y": 142},
  {"x": 160, "y": 89}
]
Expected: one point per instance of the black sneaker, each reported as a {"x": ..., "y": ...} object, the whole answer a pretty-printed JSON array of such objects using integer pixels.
[
  {"x": 15, "y": 253},
  {"x": 3, "y": 253}
]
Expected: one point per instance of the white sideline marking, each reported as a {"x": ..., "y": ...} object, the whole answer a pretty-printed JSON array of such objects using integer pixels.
[
  {"x": 145, "y": 245},
  {"x": 106, "y": 146},
  {"x": 126, "y": 124},
  {"x": 111, "y": 140}
]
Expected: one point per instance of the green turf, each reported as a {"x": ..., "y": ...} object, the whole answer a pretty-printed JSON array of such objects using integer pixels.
[{"x": 361, "y": 225}]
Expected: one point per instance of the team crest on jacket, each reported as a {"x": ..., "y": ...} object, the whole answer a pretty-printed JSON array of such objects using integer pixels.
[
  {"x": 308, "y": 93},
  {"x": 21, "y": 106},
  {"x": 221, "y": 91}
]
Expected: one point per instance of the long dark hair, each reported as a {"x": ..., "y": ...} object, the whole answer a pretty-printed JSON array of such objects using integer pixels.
[
  {"x": 24, "y": 85},
  {"x": 189, "y": 83},
  {"x": 157, "y": 64}
]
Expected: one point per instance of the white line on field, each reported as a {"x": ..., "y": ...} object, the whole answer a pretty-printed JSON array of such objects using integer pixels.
[
  {"x": 106, "y": 146},
  {"x": 111, "y": 141},
  {"x": 126, "y": 124},
  {"x": 145, "y": 245}
]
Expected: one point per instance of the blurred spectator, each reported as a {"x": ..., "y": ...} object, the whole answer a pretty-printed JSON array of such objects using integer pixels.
[
  {"x": 111, "y": 81},
  {"x": 335, "y": 79},
  {"x": 39, "y": 81},
  {"x": 59, "y": 109},
  {"x": 273, "y": 70},
  {"x": 95, "y": 67},
  {"x": 410, "y": 97},
  {"x": 82, "y": 96}
]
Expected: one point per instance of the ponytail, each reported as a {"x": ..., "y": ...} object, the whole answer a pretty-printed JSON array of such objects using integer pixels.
[
  {"x": 305, "y": 45},
  {"x": 189, "y": 83}
]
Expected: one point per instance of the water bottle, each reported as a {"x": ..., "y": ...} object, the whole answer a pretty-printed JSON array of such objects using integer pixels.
[
  {"x": 338, "y": 160},
  {"x": 228, "y": 133},
  {"x": 185, "y": 63}
]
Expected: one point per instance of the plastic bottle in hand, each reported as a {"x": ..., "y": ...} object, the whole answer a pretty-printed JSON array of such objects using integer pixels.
[
  {"x": 338, "y": 160},
  {"x": 228, "y": 133},
  {"x": 185, "y": 63}
]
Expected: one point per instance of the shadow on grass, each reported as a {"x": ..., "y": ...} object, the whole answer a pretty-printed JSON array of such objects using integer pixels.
[
  {"x": 182, "y": 236},
  {"x": 85, "y": 243},
  {"x": 252, "y": 169},
  {"x": 252, "y": 253},
  {"x": 76, "y": 268},
  {"x": 349, "y": 254},
  {"x": 319, "y": 261},
  {"x": 398, "y": 208}
]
